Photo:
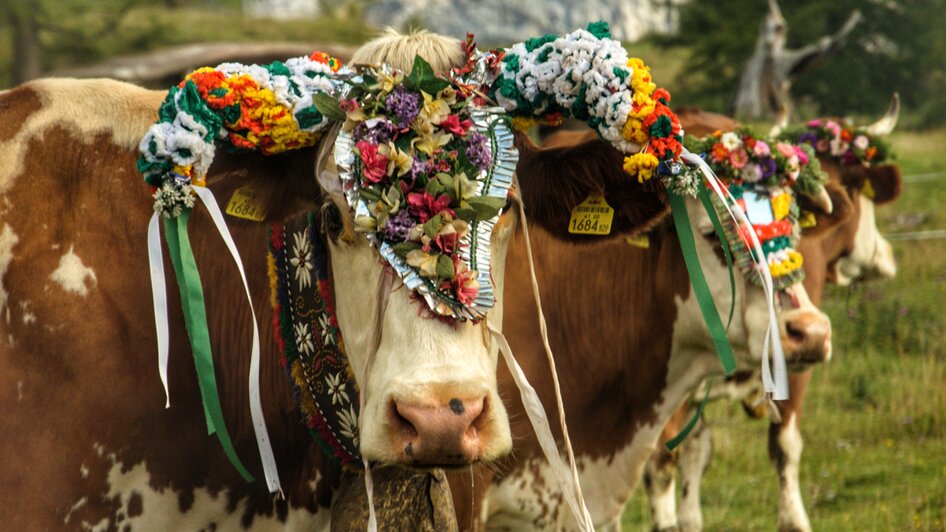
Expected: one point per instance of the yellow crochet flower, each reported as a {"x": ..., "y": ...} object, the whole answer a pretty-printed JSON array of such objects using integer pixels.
[
  {"x": 780, "y": 205},
  {"x": 786, "y": 267},
  {"x": 633, "y": 131},
  {"x": 640, "y": 78},
  {"x": 523, "y": 123},
  {"x": 642, "y": 165}
]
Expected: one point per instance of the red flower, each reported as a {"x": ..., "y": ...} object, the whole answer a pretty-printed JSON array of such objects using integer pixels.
[
  {"x": 661, "y": 94},
  {"x": 465, "y": 283},
  {"x": 455, "y": 126},
  {"x": 375, "y": 165},
  {"x": 720, "y": 153},
  {"x": 424, "y": 206}
]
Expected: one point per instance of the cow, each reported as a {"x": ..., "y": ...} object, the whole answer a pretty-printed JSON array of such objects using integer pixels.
[
  {"x": 853, "y": 248},
  {"x": 87, "y": 441},
  {"x": 630, "y": 344}
]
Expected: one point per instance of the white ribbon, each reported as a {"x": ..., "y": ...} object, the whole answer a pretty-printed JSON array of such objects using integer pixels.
[
  {"x": 159, "y": 298},
  {"x": 256, "y": 407},
  {"x": 540, "y": 424},
  {"x": 777, "y": 386}
]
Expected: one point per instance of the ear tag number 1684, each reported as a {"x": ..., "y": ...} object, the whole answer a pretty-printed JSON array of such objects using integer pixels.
[{"x": 592, "y": 216}]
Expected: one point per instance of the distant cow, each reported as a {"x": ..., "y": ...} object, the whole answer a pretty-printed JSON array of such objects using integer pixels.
[
  {"x": 630, "y": 344},
  {"x": 87, "y": 442},
  {"x": 854, "y": 248}
]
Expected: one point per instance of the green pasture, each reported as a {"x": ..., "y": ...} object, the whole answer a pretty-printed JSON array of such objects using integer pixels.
[{"x": 875, "y": 416}]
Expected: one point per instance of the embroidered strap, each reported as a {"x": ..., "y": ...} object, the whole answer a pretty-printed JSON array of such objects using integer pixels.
[{"x": 309, "y": 338}]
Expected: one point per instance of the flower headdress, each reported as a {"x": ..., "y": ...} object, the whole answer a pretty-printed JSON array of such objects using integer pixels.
[
  {"x": 588, "y": 76},
  {"x": 426, "y": 171},
  {"x": 839, "y": 139},
  {"x": 763, "y": 177},
  {"x": 270, "y": 108}
]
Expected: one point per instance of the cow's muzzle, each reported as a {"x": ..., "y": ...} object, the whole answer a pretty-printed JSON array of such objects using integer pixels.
[
  {"x": 806, "y": 336},
  {"x": 437, "y": 435}
]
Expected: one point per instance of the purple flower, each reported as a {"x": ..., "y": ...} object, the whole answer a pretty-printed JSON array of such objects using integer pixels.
[
  {"x": 810, "y": 138},
  {"x": 477, "y": 151},
  {"x": 768, "y": 167},
  {"x": 403, "y": 105},
  {"x": 375, "y": 131},
  {"x": 418, "y": 167},
  {"x": 398, "y": 227}
]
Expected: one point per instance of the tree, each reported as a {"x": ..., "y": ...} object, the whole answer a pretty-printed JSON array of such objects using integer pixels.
[
  {"x": 898, "y": 46},
  {"x": 767, "y": 76}
]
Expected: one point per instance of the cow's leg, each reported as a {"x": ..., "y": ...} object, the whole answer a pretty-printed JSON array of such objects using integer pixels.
[
  {"x": 695, "y": 454},
  {"x": 661, "y": 490},
  {"x": 785, "y": 447}
]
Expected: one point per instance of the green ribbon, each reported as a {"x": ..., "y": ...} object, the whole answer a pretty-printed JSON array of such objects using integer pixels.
[
  {"x": 704, "y": 196},
  {"x": 195, "y": 318},
  {"x": 682, "y": 435},
  {"x": 681, "y": 221}
]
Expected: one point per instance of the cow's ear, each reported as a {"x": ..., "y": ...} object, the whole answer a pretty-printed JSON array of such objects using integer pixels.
[
  {"x": 554, "y": 181},
  {"x": 842, "y": 210},
  {"x": 885, "y": 183}
]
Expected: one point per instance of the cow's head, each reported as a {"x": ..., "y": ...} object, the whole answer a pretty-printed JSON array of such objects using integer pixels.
[
  {"x": 861, "y": 251},
  {"x": 428, "y": 384}
]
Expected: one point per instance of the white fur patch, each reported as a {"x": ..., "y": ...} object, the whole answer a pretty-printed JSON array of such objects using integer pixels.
[
  {"x": 8, "y": 240},
  {"x": 791, "y": 507},
  {"x": 160, "y": 508},
  {"x": 118, "y": 109},
  {"x": 72, "y": 275}
]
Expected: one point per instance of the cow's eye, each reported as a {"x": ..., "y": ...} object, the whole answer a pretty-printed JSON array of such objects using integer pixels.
[{"x": 332, "y": 220}]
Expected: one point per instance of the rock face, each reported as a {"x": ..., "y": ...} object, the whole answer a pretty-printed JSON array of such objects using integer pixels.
[
  {"x": 502, "y": 21},
  {"x": 281, "y": 9}
]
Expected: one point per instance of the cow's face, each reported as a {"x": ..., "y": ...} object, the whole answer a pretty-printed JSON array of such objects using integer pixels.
[
  {"x": 864, "y": 253},
  {"x": 429, "y": 393},
  {"x": 805, "y": 331},
  {"x": 428, "y": 384}
]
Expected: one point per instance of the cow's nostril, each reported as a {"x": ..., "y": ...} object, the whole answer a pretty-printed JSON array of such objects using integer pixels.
[
  {"x": 401, "y": 423},
  {"x": 456, "y": 406},
  {"x": 794, "y": 332}
]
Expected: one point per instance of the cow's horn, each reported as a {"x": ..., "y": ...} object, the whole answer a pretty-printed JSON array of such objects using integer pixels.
[
  {"x": 822, "y": 199},
  {"x": 885, "y": 125},
  {"x": 781, "y": 121}
]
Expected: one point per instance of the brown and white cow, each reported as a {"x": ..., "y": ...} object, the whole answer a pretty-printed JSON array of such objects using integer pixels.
[
  {"x": 86, "y": 440},
  {"x": 852, "y": 248},
  {"x": 630, "y": 344}
]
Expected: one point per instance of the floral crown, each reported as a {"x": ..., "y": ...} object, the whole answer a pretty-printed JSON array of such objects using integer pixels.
[
  {"x": 426, "y": 171},
  {"x": 841, "y": 140},
  {"x": 763, "y": 176},
  {"x": 588, "y": 76}
]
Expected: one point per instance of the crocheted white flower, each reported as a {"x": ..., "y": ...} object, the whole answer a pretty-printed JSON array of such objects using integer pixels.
[
  {"x": 301, "y": 250},
  {"x": 304, "y": 339},
  {"x": 336, "y": 389}
]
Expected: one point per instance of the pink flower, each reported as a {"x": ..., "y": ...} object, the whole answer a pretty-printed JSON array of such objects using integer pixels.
[
  {"x": 802, "y": 156},
  {"x": 814, "y": 123},
  {"x": 738, "y": 158},
  {"x": 833, "y": 127},
  {"x": 375, "y": 165},
  {"x": 464, "y": 282},
  {"x": 861, "y": 142},
  {"x": 424, "y": 206},
  {"x": 453, "y": 125},
  {"x": 761, "y": 149},
  {"x": 787, "y": 150}
]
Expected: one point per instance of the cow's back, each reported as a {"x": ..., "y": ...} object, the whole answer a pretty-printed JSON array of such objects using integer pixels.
[{"x": 86, "y": 438}]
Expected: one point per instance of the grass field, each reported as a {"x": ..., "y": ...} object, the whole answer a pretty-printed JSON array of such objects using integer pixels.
[{"x": 875, "y": 417}]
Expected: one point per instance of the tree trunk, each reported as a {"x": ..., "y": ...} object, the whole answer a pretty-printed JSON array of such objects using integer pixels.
[
  {"x": 26, "y": 47},
  {"x": 766, "y": 80}
]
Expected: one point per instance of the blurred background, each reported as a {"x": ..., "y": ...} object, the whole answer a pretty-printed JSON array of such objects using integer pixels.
[{"x": 875, "y": 420}]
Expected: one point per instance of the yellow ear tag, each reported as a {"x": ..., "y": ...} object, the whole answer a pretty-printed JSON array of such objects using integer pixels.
[
  {"x": 591, "y": 217},
  {"x": 245, "y": 204},
  {"x": 639, "y": 241},
  {"x": 868, "y": 190},
  {"x": 807, "y": 220}
]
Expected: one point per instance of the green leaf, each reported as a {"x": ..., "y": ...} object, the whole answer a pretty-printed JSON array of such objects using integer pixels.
[
  {"x": 446, "y": 180},
  {"x": 465, "y": 213},
  {"x": 432, "y": 226},
  {"x": 445, "y": 267},
  {"x": 328, "y": 106},
  {"x": 402, "y": 249},
  {"x": 486, "y": 207},
  {"x": 422, "y": 77}
]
